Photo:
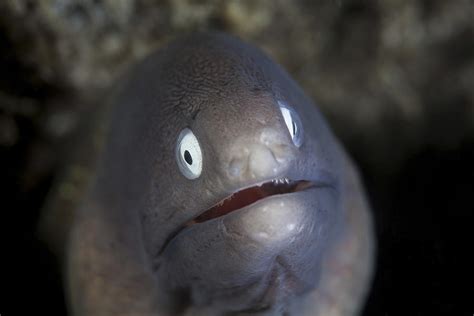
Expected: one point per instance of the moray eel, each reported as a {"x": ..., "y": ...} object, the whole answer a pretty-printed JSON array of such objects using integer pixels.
[{"x": 220, "y": 190}]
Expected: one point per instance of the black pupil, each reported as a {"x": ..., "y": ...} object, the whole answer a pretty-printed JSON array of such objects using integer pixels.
[
  {"x": 187, "y": 157},
  {"x": 294, "y": 127}
]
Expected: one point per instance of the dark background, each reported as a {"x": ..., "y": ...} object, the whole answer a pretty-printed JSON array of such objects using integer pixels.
[{"x": 394, "y": 78}]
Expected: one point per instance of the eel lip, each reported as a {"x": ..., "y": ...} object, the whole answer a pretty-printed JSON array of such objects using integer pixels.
[
  {"x": 243, "y": 198},
  {"x": 250, "y": 195}
]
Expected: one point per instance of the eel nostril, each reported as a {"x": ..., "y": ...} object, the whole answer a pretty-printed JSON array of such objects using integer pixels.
[
  {"x": 262, "y": 161},
  {"x": 263, "y": 157},
  {"x": 259, "y": 161},
  {"x": 282, "y": 153},
  {"x": 236, "y": 167}
]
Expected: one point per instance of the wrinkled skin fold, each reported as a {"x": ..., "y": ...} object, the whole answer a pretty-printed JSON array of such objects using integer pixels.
[{"x": 269, "y": 226}]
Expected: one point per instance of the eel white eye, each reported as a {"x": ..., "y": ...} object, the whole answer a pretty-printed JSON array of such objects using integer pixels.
[
  {"x": 188, "y": 154},
  {"x": 293, "y": 123}
]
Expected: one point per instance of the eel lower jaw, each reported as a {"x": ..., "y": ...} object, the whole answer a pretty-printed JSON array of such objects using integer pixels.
[{"x": 250, "y": 195}]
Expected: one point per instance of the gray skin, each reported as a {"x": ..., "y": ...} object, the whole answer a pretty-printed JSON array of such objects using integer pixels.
[{"x": 303, "y": 253}]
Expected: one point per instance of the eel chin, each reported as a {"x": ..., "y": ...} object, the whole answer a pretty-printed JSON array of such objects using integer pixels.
[
  {"x": 259, "y": 245},
  {"x": 245, "y": 197}
]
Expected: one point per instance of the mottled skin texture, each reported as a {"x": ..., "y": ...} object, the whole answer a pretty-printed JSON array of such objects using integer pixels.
[{"x": 303, "y": 253}]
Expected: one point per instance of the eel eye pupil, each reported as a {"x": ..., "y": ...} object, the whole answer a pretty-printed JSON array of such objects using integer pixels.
[{"x": 188, "y": 158}]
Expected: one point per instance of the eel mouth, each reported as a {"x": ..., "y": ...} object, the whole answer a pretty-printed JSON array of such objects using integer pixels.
[
  {"x": 243, "y": 198},
  {"x": 247, "y": 196}
]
